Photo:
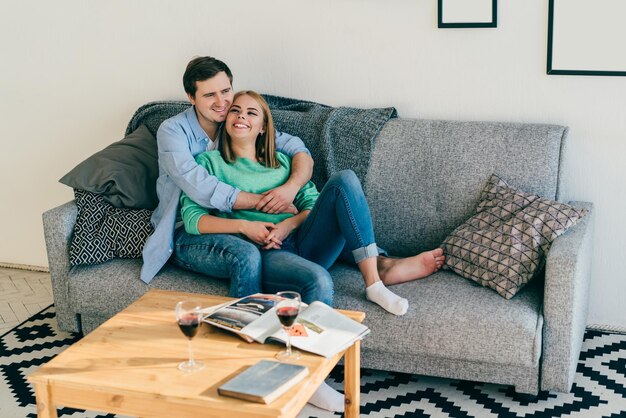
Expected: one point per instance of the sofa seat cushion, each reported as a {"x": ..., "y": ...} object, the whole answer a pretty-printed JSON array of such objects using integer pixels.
[
  {"x": 107, "y": 288},
  {"x": 449, "y": 317}
]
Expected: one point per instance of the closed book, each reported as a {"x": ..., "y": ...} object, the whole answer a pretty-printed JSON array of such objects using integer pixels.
[{"x": 264, "y": 382}]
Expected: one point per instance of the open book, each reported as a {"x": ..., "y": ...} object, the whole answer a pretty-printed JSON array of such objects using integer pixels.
[{"x": 319, "y": 329}]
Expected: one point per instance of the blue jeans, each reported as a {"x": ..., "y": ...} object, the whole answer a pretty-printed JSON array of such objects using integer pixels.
[
  {"x": 339, "y": 221},
  {"x": 223, "y": 256}
]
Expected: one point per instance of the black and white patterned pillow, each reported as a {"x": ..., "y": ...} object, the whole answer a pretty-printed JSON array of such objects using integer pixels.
[
  {"x": 103, "y": 232},
  {"x": 504, "y": 244}
]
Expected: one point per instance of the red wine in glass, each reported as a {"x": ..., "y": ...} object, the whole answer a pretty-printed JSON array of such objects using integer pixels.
[
  {"x": 189, "y": 325},
  {"x": 287, "y": 315},
  {"x": 287, "y": 309},
  {"x": 189, "y": 318}
]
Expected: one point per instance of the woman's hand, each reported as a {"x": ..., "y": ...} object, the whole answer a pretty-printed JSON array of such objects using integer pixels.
[
  {"x": 257, "y": 231},
  {"x": 283, "y": 229},
  {"x": 276, "y": 236}
]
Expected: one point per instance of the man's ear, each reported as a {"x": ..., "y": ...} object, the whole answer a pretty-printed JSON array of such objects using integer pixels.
[{"x": 191, "y": 99}]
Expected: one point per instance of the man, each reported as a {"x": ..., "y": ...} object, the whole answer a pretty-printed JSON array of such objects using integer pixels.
[{"x": 208, "y": 84}]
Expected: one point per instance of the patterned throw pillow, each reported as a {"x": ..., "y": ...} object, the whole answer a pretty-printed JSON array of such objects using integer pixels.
[
  {"x": 504, "y": 244},
  {"x": 103, "y": 232}
]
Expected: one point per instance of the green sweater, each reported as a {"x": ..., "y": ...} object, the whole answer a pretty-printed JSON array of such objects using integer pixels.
[{"x": 248, "y": 176}]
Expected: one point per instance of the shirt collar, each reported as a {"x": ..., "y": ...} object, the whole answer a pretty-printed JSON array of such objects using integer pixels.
[{"x": 198, "y": 132}]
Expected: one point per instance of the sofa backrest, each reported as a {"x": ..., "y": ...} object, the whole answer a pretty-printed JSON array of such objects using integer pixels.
[
  {"x": 154, "y": 113},
  {"x": 426, "y": 176}
]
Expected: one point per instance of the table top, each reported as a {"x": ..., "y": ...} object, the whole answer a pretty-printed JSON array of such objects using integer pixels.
[{"x": 136, "y": 353}]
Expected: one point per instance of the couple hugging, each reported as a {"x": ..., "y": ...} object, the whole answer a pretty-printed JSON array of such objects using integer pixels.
[{"x": 235, "y": 202}]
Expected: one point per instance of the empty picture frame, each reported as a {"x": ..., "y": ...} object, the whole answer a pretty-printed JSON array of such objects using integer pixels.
[
  {"x": 586, "y": 37},
  {"x": 468, "y": 14}
]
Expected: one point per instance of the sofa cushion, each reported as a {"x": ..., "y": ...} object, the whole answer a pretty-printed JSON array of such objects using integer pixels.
[
  {"x": 124, "y": 173},
  {"x": 103, "y": 232},
  {"x": 443, "y": 310},
  {"x": 107, "y": 288},
  {"x": 449, "y": 317},
  {"x": 504, "y": 244}
]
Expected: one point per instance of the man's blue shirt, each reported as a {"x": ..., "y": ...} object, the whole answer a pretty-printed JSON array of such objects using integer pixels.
[{"x": 180, "y": 139}]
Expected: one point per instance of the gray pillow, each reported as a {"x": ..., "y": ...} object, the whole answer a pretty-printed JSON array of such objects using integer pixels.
[
  {"x": 504, "y": 244},
  {"x": 124, "y": 173}
]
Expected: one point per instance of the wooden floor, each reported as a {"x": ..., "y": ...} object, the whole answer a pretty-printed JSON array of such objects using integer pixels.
[{"x": 23, "y": 293}]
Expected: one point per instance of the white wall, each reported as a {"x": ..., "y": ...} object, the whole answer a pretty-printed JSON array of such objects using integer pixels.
[{"x": 73, "y": 72}]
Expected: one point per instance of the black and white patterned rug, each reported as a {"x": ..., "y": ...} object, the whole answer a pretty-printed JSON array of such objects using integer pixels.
[{"x": 599, "y": 389}]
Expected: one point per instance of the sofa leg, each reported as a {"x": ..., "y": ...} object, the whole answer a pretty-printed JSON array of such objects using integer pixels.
[{"x": 68, "y": 321}]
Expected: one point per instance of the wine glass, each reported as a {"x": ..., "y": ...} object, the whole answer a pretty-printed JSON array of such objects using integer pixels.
[
  {"x": 189, "y": 318},
  {"x": 287, "y": 309}
]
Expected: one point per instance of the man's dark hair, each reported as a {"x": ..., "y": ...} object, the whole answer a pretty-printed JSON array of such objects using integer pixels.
[{"x": 203, "y": 68}]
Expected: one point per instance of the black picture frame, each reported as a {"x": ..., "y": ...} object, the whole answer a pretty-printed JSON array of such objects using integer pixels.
[
  {"x": 550, "y": 67},
  {"x": 491, "y": 24}
]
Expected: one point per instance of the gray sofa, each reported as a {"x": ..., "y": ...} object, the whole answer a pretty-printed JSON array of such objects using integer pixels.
[{"x": 424, "y": 180}]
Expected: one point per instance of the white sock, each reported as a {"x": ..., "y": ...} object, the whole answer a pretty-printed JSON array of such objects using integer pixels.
[
  {"x": 388, "y": 300},
  {"x": 327, "y": 398}
]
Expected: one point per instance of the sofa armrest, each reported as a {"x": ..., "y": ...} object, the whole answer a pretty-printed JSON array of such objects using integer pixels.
[
  {"x": 58, "y": 226},
  {"x": 565, "y": 304}
]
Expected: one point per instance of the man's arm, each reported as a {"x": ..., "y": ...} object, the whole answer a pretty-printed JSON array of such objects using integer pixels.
[
  {"x": 281, "y": 198},
  {"x": 177, "y": 160}
]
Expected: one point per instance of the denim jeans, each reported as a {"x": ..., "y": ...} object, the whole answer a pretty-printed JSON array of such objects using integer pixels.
[
  {"x": 285, "y": 270},
  {"x": 339, "y": 221},
  {"x": 222, "y": 256}
]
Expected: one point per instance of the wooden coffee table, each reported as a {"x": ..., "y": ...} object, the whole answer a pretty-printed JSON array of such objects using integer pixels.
[{"x": 128, "y": 366}]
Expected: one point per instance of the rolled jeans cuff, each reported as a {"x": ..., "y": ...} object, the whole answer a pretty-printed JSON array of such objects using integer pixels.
[{"x": 362, "y": 253}]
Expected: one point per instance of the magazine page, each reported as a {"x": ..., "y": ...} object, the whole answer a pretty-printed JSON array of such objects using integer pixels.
[
  {"x": 240, "y": 314},
  {"x": 322, "y": 330},
  {"x": 210, "y": 309}
]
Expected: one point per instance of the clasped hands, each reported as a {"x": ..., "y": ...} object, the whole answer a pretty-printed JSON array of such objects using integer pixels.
[{"x": 267, "y": 234}]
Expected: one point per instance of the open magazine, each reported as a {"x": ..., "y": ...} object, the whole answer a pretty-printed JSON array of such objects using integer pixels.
[{"x": 319, "y": 329}]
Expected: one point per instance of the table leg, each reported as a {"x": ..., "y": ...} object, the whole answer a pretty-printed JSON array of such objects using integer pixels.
[
  {"x": 352, "y": 380},
  {"x": 45, "y": 405}
]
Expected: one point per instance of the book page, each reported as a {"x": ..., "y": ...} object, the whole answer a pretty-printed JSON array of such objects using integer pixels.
[{"x": 324, "y": 331}]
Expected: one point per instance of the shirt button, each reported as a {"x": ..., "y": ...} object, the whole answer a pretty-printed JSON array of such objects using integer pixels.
[{"x": 170, "y": 250}]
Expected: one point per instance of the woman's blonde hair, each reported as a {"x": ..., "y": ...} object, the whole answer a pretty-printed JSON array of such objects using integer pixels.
[{"x": 265, "y": 142}]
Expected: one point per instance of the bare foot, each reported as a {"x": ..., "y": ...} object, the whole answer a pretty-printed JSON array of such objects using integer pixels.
[{"x": 400, "y": 270}]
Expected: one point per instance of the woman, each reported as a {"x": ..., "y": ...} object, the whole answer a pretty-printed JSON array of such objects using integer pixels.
[{"x": 300, "y": 246}]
